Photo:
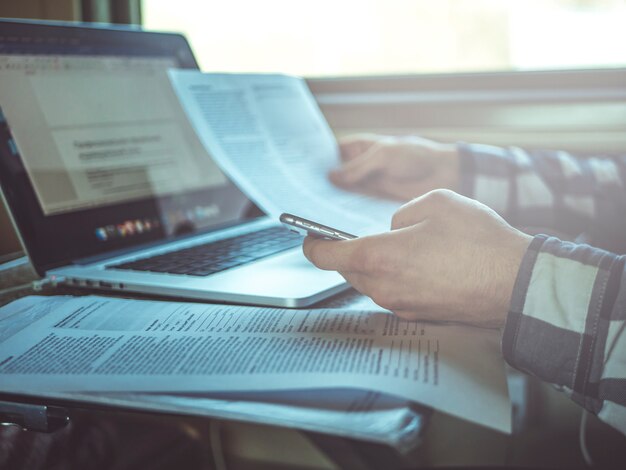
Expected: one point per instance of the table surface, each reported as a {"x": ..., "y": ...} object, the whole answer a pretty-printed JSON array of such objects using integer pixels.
[{"x": 546, "y": 429}]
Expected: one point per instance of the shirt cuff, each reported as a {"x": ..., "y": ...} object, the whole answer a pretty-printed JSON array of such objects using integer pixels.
[
  {"x": 518, "y": 298},
  {"x": 561, "y": 307}
]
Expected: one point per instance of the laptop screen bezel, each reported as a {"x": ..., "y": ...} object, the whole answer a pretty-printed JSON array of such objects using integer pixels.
[{"x": 17, "y": 188}]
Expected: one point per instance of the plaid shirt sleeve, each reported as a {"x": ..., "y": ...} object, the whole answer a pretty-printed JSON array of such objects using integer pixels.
[
  {"x": 568, "y": 310},
  {"x": 566, "y": 324},
  {"x": 550, "y": 189}
]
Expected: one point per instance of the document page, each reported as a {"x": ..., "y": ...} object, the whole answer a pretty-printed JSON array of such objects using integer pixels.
[
  {"x": 102, "y": 344},
  {"x": 351, "y": 413},
  {"x": 357, "y": 414},
  {"x": 267, "y": 133}
]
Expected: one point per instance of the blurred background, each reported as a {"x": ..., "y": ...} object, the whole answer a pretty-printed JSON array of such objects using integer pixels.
[
  {"x": 534, "y": 73},
  {"x": 386, "y": 37}
]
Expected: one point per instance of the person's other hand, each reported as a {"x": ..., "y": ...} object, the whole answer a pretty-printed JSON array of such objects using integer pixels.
[
  {"x": 395, "y": 167},
  {"x": 447, "y": 258}
]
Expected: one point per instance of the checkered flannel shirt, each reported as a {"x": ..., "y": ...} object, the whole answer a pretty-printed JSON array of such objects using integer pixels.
[{"x": 568, "y": 310}]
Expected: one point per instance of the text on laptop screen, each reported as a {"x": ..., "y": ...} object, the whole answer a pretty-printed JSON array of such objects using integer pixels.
[
  {"x": 96, "y": 131},
  {"x": 96, "y": 154}
]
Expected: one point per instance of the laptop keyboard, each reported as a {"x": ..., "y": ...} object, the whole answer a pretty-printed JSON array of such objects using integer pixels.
[{"x": 213, "y": 257}]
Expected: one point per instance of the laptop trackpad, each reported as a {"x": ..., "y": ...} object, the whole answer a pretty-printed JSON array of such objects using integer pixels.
[{"x": 289, "y": 275}]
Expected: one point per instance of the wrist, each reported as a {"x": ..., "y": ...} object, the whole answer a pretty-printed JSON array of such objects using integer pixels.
[{"x": 512, "y": 262}]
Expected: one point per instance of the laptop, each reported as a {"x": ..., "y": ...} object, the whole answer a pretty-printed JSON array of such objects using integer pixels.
[{"x": 110, "y": 188}]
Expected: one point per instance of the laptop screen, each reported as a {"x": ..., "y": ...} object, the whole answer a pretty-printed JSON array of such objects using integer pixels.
[{"x": 97, "y": 154}]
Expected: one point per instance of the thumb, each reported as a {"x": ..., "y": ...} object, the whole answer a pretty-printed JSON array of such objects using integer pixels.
[
  {"x": 424, "y": 207},
  {"x": 361, "y": 167},
  {"x": 350, "y": 147}
]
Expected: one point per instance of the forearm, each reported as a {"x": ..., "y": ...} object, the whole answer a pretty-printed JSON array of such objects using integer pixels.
[
  {"x": 550, "y": 190},
  {"x": 566, "y": 321}
]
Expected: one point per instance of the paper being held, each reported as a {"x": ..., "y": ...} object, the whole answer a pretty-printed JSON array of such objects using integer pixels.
[{"x": 267, "y": 133}]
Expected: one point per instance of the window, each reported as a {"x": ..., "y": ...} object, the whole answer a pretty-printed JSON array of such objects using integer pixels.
[{"x": 383, "y": 37}]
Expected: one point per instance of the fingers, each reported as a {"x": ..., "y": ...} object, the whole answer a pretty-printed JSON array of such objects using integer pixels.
[
  {"x": 366, "y": 255},
  {"x": 352, "y": 146},
  {"x": 410, "y": 315},
  {"x": 331, "y": 255},
  {"x": 360, "y": 168},
  {"x": 358, "y": 281},
  {"x": 320, "y": 253},
  {"x": 403, "y": 190},
  {"x": 433, "y": 203}
]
